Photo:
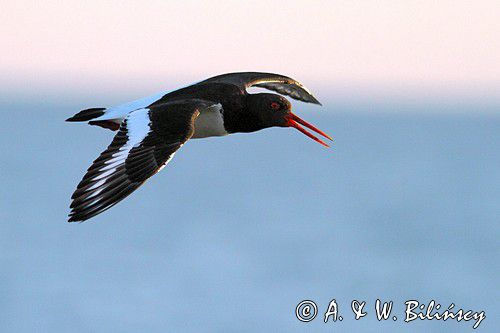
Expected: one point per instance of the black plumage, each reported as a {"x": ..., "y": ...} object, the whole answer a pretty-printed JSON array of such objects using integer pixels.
[
  {"x": 87, "y": 114},
  {"x": 151, "y": 130},
  {"x": 169, "y": 126}
]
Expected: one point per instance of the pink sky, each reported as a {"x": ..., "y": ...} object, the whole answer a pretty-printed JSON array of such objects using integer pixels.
[{"x": 450, "y": 45}]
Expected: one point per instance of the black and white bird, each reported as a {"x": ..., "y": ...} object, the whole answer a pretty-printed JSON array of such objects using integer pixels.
[{"x": 152, "y": 129}]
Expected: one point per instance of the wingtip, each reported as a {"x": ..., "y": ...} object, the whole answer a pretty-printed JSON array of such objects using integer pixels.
[
  {"x": 315, "y": 101},
  {"x": 73, "y": 218}
]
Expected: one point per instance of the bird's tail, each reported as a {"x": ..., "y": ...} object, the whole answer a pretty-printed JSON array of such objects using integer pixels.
[{"x": 89, "y": 114}]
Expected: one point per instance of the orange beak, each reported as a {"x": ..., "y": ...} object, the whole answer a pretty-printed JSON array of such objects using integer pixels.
[{"x": 294, "y": 121}]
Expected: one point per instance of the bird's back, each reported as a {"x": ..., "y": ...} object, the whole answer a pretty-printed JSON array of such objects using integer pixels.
[{"x": 228, "y": 95}]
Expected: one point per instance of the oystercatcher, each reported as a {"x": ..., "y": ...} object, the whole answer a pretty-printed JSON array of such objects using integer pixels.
[{"x": 152, "y": 129}]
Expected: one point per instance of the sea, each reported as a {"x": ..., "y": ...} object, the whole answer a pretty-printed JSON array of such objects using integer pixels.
[{"x": 237, "y": 231}]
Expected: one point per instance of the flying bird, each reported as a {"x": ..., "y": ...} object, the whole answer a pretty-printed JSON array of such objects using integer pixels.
[{"x": 150, "y": 130}]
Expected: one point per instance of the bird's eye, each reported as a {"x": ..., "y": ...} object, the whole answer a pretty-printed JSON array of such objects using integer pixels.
[{"x": 275, "y": 106}]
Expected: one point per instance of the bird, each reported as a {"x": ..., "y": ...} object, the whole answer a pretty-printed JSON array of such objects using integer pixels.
[{"x": 150, "y": 130}]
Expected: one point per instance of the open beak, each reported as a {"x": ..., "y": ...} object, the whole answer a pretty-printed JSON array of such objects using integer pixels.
[{"x": 294, "y": 121}]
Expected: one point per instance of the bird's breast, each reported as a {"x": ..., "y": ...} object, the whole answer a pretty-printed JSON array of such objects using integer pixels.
[{"x": 210, "y": 122}]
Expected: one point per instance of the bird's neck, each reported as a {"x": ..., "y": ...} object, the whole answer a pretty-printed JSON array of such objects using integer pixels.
[{"x": 241, "y": 120}]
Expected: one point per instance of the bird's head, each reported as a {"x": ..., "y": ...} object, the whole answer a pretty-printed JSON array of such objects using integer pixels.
[{"x": 275, "y": 110}]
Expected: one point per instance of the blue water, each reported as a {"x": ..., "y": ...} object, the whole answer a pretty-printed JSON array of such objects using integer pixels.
[{"x": 236, "y": 231}]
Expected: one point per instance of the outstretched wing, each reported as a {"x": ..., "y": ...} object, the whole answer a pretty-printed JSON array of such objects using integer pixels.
[
  {"x": 145, "y": 143},
  {"x": 275, "y": 82}
]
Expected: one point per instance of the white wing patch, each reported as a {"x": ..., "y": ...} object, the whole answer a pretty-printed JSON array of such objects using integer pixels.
[
  {"x": 137, "y": 129},
  {"x": 138, "y": 125}
]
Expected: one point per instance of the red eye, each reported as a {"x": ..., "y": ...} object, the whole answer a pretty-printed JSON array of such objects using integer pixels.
[{"x": 275, "y": 106}]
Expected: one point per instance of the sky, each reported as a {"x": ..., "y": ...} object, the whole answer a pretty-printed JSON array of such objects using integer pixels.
[
  {"x": 380, "y": 47},
  {"x": 236, "y": 231}
]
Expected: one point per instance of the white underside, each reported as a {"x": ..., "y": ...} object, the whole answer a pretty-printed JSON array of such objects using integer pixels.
[{"x": 209, "y": 123}]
